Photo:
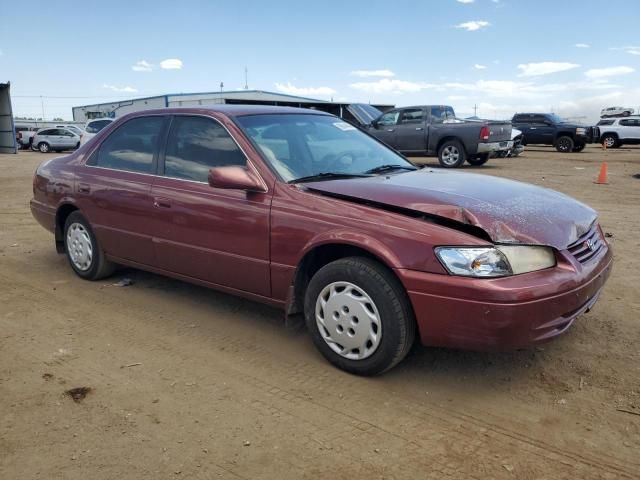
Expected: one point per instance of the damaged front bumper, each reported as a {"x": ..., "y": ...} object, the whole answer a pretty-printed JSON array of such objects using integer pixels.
[{"x": 506, "y": 313}]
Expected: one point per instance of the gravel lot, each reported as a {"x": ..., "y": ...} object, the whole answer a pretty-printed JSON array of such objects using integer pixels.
[{"x": 190, "y": 383}]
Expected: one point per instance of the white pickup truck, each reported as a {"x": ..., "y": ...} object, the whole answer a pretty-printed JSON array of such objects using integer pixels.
[
  {"x": 615, "y": 132},
  {"x": 24, "y": 135}
]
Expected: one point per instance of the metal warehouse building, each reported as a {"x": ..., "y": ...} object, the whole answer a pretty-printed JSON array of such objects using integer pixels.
[{"x": 252, "y": 97}]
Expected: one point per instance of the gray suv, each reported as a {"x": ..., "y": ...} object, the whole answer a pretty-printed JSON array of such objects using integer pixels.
[{"x": 56, "y": 139}]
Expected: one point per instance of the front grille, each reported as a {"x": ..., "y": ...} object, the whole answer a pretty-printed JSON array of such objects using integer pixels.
[{"x": 588, "y": 246}]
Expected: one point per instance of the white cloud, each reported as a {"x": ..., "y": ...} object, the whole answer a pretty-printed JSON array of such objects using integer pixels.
[
  {"x": 171, "y": 64},
  {"x": 113, "y": 88},
  {"x": 630, "y": 49},
  {"x": 386, "y": 85},
  {"x": 373, "y": 73},
  {"x": 293, "y": 90},
  {"x": 454, "y": 98},
  {"x": 142, "y": 66},
  {"x": 479, "y": 66},
  {"x": 473, "y": 25},
  {"x": 466, "y": 1},
  {"x": 608, "y": 72},
  {"x": 544, "y": 68},
  {"x": 582, "y": 45}
]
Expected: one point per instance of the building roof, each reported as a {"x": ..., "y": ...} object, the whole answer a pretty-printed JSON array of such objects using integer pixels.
[{"x": 248, "y": 95}]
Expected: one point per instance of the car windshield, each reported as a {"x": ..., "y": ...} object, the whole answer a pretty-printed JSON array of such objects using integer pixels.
[{"x": 302, "y": 146}]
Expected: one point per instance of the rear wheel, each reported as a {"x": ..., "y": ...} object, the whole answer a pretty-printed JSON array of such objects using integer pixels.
[
  {"x": 83, "y": 251},
  {"x": 626, "y": 114},
  {"x": 44, "y": 147},
  {"x": 359, "y": 316},
  {"x": 609, "y": 140},
  {"x": 564, "y": 144},
  {"x": 451, "y": 154},
  {"x": 478, "y": 160}
]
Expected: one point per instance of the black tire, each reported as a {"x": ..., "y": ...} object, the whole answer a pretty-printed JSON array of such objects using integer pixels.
[
  {"x": 564, "y": 144},
  {"x": 626, "y": 114},
  {"x": 609, "y": 140},
  {"x": 98, "y": 267},
  {"x": 44, "y": 147},
  {"x": 397, "y": 324},
  {"x": 451, "y": 154},
  {"x": 579, "y": 147},
  {"x": 478, "y": 160}
]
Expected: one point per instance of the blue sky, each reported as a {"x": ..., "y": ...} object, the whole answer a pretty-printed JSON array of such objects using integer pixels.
[{"x": 571, "y": 57}]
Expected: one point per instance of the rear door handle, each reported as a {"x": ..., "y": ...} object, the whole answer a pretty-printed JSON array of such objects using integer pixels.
[
  {"x": 161, "y": 203},
  {"x": 84, "y": 188},
  {"x": 419, "y": 128}
]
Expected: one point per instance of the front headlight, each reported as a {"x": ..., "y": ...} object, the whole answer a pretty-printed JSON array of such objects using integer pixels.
[
  {"x": 581, "y": 131},
  {"x": 498, "y": 261}
]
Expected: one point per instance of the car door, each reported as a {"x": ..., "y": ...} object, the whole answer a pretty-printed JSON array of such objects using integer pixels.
[
  {"x": 410, "y": 131},
  {"x": 628, "y": 129},
  {"x": 68, "y": 139},
  {"x": 540, "y": 130},
  {"x": 113, "y": 188},
  {"x": 214, "y": 235},
  {"x": 384, "y": 128}
]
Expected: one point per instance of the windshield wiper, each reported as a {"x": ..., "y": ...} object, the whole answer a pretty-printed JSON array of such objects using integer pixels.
[
  {"x": 386, "y": 168},
  {"x": 327, "y": 176}
]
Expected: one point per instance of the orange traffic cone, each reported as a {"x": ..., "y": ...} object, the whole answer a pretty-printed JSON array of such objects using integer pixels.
[{"x": 602, "y": 178}]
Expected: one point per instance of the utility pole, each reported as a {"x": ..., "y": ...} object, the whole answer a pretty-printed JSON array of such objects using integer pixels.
[
  {"x": 42, "y": 104},
  {"x": 221, "y": 86},
  {"x": 475, "y": 110},
  {"x": 246, "y": 82}
]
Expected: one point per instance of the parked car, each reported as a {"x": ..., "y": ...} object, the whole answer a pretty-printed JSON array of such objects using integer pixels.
[
  {"x": 93, "y": 127},
  {"x": 616, "y": 112},
  {"x": 615, "y": 132},
  {"x": 24, "y": 135},
  {"x": 56, "y": 139},
  {"x": 434, "y": 130},
  {"x": 301, "y": 210},
  {"x": 550, "y": 129}
]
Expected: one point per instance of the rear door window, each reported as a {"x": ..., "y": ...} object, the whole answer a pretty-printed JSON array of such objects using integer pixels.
[
  {"x": 197, "y": 144},
  {"x": 132, "y": 147},
  {"x": 48, "y": 132}
]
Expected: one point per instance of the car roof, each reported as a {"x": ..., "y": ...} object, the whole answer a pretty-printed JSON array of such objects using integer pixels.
[
  {"x": 231, "y": 110},
  {"x": 109, "y": 119}
]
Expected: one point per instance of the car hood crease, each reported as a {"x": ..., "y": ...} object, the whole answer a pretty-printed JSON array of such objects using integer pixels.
[{"x": 508, "y": 211}]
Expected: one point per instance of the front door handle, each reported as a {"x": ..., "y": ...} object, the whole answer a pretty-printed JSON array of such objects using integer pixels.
[
  {"x": 84, "y": 188},
  {"x": 419, "y": 128},
  {"x": 390, "y": 129},
  {"x": 532, "y": 128},
  {"x": 161, "y": 203}
]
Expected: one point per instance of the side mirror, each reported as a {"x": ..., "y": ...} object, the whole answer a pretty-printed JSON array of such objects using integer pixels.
[
  {"x": 235, "y": 178},
  {"x": 374, "y": 123}
]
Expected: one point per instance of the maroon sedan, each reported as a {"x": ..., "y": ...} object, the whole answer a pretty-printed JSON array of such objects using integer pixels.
[{"x": 298, "y": 209}]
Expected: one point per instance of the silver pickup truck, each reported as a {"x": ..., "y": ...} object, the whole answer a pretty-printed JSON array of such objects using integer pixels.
[{"x": 434, "y": 130}]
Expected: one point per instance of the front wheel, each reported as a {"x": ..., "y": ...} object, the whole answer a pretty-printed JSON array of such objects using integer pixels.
[
  {"x": 564, "y": 144},
  {"x": 451, "y": 154},
  {"x": 626, "y": 114},
  {"x": 478, "y": 160},
  {"x": 83, "y": 251},
  {"x": 609, "y": 141},
  {"x": 359, "y": 316}
]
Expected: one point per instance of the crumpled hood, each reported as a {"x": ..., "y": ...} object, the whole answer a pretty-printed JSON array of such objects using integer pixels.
[{"x": 508, "y": 211}]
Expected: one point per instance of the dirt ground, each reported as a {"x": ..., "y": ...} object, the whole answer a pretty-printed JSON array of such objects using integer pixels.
[{"x": 190, "y": 383}]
